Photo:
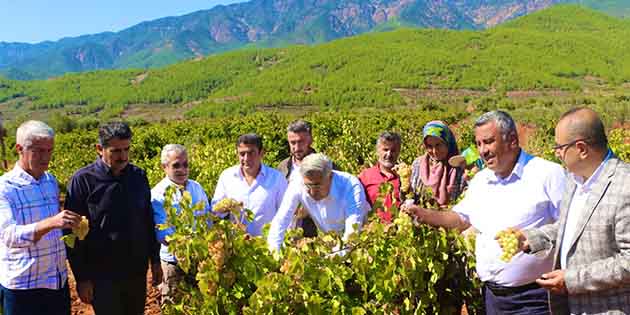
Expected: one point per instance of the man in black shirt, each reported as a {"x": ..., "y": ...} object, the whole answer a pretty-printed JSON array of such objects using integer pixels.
[{"x": 110, "y": 265}]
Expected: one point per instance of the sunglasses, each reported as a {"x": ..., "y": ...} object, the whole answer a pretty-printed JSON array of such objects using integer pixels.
[{"x": 178, "y": 165}]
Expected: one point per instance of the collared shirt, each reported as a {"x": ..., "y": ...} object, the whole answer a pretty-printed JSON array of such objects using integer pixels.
[
  {"x": 263, "y": 197},
  {"x": 24, "y": 263},
  {"x": 159, "y": 213},
  {"x": 528, "y": 197},
  {"x": 371, "y": 179},
  {"x": 344, "y": 207},
  {"x": 121, "y": 240},
  {"x": 576, "y": 207}
]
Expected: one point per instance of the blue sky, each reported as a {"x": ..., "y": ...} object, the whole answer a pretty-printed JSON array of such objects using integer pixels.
[{"x": 34, "y": 21}]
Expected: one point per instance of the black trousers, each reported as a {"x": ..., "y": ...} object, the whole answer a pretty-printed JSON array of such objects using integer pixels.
[
  {"x": 120, "y": 297},
  {"x": 35, "y": 301}
]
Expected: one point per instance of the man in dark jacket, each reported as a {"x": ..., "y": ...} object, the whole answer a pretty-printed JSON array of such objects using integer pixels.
[{"x": 110, "y": 265}]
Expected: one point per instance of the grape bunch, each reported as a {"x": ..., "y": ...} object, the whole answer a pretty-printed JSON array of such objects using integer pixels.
[
  {"x": 404, "y": 171},
  {"x": 79, "y": 232},
  {"x": 227, "y": 205},
  {"x": 216, "y": 249},
  {"x": 509, "y": 243},
  {"x": 82, "y": 230}
]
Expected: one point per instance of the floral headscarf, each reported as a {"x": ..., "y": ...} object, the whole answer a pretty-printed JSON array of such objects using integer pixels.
[{"x": 439, "y": 129}]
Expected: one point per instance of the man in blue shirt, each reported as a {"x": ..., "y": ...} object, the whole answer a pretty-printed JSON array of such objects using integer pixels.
[
  {"x": 174, "y": 160},
  {"x": 33, "y": 275},
  {"x": 110, "y": 265}
]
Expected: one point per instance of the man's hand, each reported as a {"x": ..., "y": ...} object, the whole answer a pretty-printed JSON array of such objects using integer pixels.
[
  {"x": 156, "y": 274},
  {"x": 523, "y": 244},
  {"x": 413, "y": 211},
  {"x": 65, "y": 219},
  {"x": 85, "y": 289},
  {"x": 554, "y": 282}
]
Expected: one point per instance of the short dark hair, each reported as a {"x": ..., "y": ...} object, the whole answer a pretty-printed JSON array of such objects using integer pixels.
[
  {"x": 590, "y": 127},
  {"x": 250, "y": 139},
  {"x": 113, "y": 130},
  {"x": 299, "y": 126},
  {"x": 389, "y": 137}
]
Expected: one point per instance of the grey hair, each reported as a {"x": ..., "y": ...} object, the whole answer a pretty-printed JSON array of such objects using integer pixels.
[
  {"x": 299, "y": 126},
  {"x": 389, "y": 137},
  {"x": 171, "y": 147},
  {"x": 33, "y": 130},
  {"x": 316, "y": 163},
  {"x": 503, "y": 120}
]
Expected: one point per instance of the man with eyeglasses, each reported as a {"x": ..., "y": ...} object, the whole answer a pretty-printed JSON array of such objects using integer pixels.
[
  {"x": 174, "y": 160},
  {"x": 33, "y": 273},
  {"x": 515, "y": 190},
  {"x": 300, "y": 140},
  {"x": 335, "y": 200},
  {"x": 259, "y": 187},
  {"x": 591, "y": 240}
]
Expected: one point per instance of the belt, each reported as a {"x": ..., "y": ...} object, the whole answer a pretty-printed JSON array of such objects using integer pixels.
[{"x": 500, "y": 290}]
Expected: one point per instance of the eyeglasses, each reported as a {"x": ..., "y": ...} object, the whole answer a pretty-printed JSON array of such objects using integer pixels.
[
  {"x": 314, "y": 186},
  {"x": 562, "y": 146},
  {"x": 178, "y": 165}
]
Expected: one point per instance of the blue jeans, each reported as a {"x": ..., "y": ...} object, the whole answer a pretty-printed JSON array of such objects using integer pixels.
[
  {"x": 529, "y": 302},
  {"x": 35, "y": 301}
]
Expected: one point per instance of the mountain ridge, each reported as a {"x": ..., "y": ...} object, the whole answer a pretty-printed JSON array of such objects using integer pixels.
[{"x": 259, "y": 23}]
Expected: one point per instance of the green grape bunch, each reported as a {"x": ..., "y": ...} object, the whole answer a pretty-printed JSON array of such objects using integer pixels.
[
  {"x": 79, "y": 232},
  {"x": 404, "y": 171},
  {"x": 227, "y": 205},
  {"x": 509, "y": 243}
]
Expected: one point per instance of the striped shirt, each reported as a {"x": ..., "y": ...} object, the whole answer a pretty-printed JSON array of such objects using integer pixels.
[{"x": 24, "y": 263}]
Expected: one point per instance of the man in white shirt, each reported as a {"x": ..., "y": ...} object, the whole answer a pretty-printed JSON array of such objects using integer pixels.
[
  {"x": 591, "y": 240},
  {"x": 515, "y": 190},
  {"x": 259, "y": 187},
  {"x": 335, "y": 200},
  {"x": 174, "y": 160}
]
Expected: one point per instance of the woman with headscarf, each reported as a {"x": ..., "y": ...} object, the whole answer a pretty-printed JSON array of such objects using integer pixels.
[{"x": 432, "y": 170}]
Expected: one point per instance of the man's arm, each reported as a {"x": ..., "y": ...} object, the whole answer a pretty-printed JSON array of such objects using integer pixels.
[
  {"x": 357, "y": 208},
  {"x": 447, "y": 219},
  {"x": 283, "y": 217},
  {"x": 76, "y": 201},
  {"x": 22, "y": 236},
  {"x": 281, "y": 188},
  {"x": 160, "y": 217}
]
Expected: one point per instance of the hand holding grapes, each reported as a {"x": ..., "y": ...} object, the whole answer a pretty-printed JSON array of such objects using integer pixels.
[{"x": 511, "y": 241}]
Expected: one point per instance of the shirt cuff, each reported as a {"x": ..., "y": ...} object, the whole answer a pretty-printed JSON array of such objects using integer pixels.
[{"x": 23, "y": 236}]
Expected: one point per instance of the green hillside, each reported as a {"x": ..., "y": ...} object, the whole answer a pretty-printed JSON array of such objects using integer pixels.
[{"x": 554, "y": 49}]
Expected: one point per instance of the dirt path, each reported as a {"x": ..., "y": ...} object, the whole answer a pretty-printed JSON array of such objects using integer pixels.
[{"x": 151, "y": 307}]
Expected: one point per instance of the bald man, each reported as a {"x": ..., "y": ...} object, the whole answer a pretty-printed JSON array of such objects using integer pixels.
[{"x": 591, "y": 240}]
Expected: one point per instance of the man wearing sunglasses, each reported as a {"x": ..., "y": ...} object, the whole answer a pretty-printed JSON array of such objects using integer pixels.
[
  {"x": 591, "y": 240},
  {"x": 174, "y": 160},
  {"x": 334, "y": 200}
]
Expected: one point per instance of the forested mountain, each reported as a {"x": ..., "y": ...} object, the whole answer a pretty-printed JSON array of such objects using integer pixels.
[
  {"x": 259, "y": 23},
  {"x": 563, "y": 48}
]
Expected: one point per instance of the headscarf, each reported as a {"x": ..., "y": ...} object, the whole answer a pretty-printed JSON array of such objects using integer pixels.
[{"x": 440, "y": 176}]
